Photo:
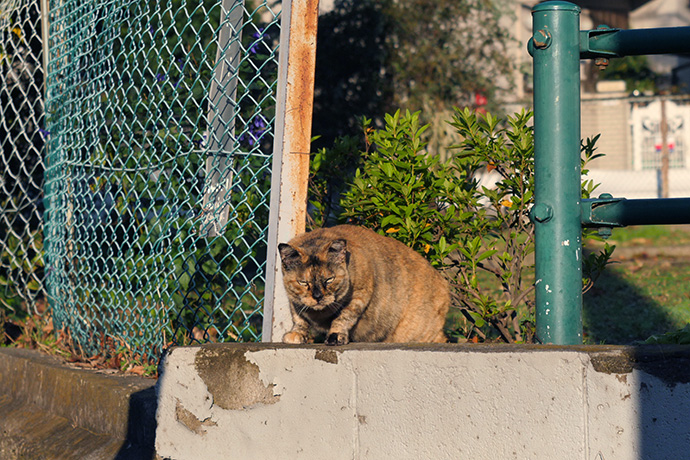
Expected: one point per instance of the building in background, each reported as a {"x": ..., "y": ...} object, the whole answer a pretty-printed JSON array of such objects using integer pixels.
[
  {"x": 629, "y": 122},
  {"x": 666, "y": 13}
]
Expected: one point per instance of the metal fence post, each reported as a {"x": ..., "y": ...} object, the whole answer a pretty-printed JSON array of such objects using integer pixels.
[
  {"x": 45, "y": 39},
  {"x": 290, "y": 172},
  {"x": 556, "y": 212},
  {"x": 223, "y": 111}
]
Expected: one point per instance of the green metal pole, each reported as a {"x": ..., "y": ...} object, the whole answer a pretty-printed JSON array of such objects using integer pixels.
[{"x": 555, "y": 47}]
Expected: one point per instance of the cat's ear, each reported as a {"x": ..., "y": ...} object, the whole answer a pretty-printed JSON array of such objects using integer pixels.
[
  {"x": 290, "y": 256},
  {"x": 337, "y": 252}
]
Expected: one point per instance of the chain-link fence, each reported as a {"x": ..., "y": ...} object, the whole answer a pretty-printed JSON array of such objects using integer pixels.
[
  {"x": 158, "y": 136},
  {"x": 634, "y": 145},
  {"x": 22, "y": 142}
]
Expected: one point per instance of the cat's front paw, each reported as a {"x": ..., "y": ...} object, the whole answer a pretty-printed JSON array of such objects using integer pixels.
[
  {"x": 294, "y": 337},
  {"x": 337, "y": 338}
]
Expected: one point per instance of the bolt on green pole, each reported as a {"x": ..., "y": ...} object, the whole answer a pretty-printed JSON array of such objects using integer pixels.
[{"x": 555, "y": 48}]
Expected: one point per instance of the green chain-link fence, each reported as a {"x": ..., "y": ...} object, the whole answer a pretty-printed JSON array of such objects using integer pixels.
[{"x": 158, "y": 134}]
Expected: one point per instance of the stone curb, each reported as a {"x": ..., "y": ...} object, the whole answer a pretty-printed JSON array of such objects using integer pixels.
[{"x": 51, "y": 411}]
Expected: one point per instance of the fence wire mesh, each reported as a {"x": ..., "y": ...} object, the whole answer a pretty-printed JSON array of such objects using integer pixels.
[
  {"x": 158, "y": 137},
  {"x": 632, "y": 142},
  {"x": 21, "y": 138}
]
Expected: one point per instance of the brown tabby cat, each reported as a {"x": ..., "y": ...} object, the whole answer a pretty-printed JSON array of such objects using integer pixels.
[{"x": 356, "y": 285}]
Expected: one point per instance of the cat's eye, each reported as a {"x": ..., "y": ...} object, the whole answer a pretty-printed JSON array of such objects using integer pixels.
[
  {"x": 303, "y": 283},
  {"x": 328, "y": 280}
]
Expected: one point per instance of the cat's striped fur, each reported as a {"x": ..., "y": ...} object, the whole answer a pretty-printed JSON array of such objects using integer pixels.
[{"x": 356, "y": 285}]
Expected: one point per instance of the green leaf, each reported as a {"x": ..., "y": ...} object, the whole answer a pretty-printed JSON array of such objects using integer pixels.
[
  {"x": 33, "y": 285},
  {"x": 486, "y": 254},
  {"x": 431, "y": 203},
  {"x": 467, "y": 254},
  {"x": 442, "y": 244},
  {"x": 477, "y": 318},
  {"x": 475, "y": 244},
  {"x": 390, "y": 220}
]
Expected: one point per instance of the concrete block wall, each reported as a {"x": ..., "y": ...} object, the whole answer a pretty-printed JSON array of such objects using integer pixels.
[
  {"x": 611, "y": 119},
  {"x": 373, "y": 401}
]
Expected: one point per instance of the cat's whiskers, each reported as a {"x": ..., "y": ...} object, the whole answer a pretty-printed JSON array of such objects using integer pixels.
[
  {"x": 303, "y": 309},
  {"x": 335, "y": 306}
]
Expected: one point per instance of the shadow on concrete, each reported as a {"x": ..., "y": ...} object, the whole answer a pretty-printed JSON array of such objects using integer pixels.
[
  {"x": 618, "y": 312},
  {"x": 663, "y": 404},
  {"x": 141, "y": 427},
  {"x": 660, "y": 394}
]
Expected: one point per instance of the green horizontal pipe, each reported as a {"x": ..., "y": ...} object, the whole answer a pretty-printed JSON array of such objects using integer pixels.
[
  {"x": 620, "y": 212},
  {"x": 617, "y": 42}
]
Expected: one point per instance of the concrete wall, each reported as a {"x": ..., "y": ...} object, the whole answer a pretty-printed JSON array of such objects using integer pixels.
[
  {"x": 611, "y": 119},
  {"x": 372, "y": 401},
  {"x": 51, "y": 411}
]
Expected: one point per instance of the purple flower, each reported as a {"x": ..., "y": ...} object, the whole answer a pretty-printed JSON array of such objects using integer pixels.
[
  {"x": 259, "y": 36},
  {"x": 45, "y": 133},
  {"x": 257, "y": 128},
  {"x": 160, "y": 77},
  {"x": 260, "y": 123},
  {"x": 248, "y": 138}
]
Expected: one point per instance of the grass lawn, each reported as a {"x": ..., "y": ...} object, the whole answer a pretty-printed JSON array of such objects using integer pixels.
[
  {"x": 639, "y": 294},
  {"x": 651, "y": 235}
]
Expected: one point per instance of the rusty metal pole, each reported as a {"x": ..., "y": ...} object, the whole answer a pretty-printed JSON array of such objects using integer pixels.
[{"x": 290, "y": 173}]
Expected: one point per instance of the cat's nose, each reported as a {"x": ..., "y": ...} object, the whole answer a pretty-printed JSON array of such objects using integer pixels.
[{"x": 317, "y": 295}]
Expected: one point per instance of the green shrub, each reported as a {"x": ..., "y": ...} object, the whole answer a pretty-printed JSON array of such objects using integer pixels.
[{"x": 477, "y": 232}]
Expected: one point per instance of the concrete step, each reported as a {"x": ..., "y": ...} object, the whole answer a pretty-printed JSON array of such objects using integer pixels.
[{"x": 51, "y": 411}]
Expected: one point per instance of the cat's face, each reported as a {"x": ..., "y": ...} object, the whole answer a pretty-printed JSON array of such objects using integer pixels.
[{"x": 316, "y": 277}]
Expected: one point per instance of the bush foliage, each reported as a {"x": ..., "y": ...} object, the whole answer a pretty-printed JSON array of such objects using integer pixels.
[{"x": 469, "y": 215}]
